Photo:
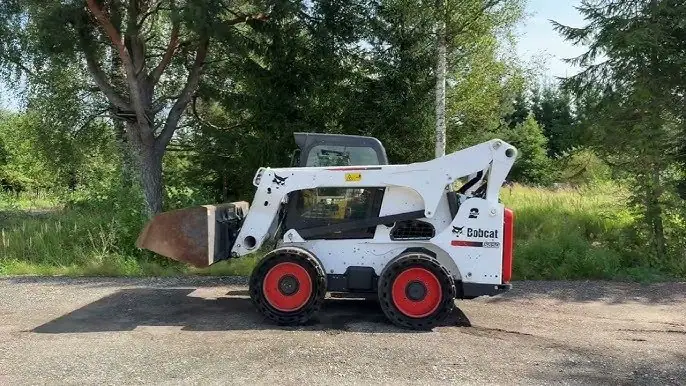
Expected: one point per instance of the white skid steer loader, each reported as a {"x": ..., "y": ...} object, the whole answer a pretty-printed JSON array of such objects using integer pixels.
[{"x": 344, "y": 221}]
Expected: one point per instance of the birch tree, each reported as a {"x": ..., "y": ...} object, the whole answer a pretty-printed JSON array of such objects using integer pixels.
[{"x": 456, "y": 19}]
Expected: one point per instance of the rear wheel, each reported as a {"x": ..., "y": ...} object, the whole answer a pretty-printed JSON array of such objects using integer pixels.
[
  {"x": 288, "y": 286},
  {"x": 416, "y": 291}
]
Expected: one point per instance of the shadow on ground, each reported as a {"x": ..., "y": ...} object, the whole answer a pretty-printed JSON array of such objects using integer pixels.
[{"x": 128, "y": 309}]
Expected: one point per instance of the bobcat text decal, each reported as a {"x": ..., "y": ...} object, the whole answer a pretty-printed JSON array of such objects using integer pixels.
[{"x": 487, "y": 233}]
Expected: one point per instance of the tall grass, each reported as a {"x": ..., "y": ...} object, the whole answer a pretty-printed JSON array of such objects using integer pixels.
[
  {"x": 86, "y": 243},
  {"x": 575, "y": 233},
  {"x": 28, "y": 201}
]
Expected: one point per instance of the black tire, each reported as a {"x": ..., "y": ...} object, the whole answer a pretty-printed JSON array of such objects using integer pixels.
[
  {"x": 313, "y": 302},
  {"x": 444, "y": 302}
]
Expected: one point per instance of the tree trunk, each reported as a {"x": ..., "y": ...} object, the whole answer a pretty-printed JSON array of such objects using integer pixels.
[
  {"x": 654, "y": 212},
  {"x": 147, "y": 166},
  {"x": 441, "y": 53},
  {"x": 126, "y": 161},
  {"x": 151, "y": 180},
  {"x": 138, "y": 105}
]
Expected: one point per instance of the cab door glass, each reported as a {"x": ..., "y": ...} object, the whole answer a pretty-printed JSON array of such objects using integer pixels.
[{"x": 326, "y": 206}]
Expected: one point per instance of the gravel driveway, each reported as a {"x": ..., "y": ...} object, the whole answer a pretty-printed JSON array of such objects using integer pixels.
[{"x": 204, "y": 331}]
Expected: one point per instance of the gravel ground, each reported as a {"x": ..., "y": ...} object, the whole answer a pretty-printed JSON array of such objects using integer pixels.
[{"x": 204, "y": 331}]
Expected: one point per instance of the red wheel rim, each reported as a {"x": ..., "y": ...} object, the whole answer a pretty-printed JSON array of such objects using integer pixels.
[
  {"x": 287, "y": 287},
  {"x": 416, "y": 292}
]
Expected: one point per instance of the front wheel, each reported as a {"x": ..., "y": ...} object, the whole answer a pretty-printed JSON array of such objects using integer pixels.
[
  {"x": 288, "y": 286},
  {"x": 416, "y": 291}
]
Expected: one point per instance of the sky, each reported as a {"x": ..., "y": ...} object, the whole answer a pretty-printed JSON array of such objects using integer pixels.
[{"x": 537, "y": 44}]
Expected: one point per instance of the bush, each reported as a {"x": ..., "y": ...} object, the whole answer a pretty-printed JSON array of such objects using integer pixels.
[{"x": 532, "y": 165}]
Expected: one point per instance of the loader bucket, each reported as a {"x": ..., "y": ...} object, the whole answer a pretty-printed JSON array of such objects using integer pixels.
[{"x": 199, "y": 236}]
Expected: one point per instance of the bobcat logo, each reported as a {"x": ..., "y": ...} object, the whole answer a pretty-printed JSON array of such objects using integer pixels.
[
  {"x": 279, "y": 180},
  {"x": 457, "y": 230}
]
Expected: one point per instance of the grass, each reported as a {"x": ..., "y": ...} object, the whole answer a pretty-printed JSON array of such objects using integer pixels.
[
  {"x": 28, "y": 202},
  {"x": 86, "y": 243},
  {"x": 560, "y": 234},
  {"x": 575, "y": 234},
  {"x": 130, "y": 267}
]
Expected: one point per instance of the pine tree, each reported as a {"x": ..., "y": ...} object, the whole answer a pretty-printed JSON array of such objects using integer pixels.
[{"x": 634, "y": 70}]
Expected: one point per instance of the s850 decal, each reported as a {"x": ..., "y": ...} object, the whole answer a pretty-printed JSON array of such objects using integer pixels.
[{"x": 475, "y": 244}]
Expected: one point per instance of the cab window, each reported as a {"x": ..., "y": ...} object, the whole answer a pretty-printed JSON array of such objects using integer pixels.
[
  {"x": 327, "y": 206},
  {"x": 325, "y": 155}
]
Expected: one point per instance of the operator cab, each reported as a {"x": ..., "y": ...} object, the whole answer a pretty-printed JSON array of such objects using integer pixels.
[{"x": 327, "y": 206}]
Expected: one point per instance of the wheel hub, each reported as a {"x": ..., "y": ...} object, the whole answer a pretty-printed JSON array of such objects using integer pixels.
[
  {"x": 415, "y": 291},
  {"x": 288, "y": 285}
]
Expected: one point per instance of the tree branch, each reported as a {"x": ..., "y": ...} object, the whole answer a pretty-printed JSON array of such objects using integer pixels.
[
  {"x": 20, "y": 66},
  {"x": 146, "y": 133},
  {"x": 168, "y": 55},
  {"x": 93, "y": 117},
  {"x": 160, "y": 103},
  {"x": 147, "y": 14},
  {"x": 181, "y": 103},
  {"x": 192, "y": 83},
  {"x": 96, "y": 72},
  {"x": 133, "y": 39},
  {"x": 100, "y": 80},
  {"x": 246, "y": 18},
  {"x": 485, "y": 7},
  {"x": 199, "y": 118},
  {"x": 110, "y": 29}
]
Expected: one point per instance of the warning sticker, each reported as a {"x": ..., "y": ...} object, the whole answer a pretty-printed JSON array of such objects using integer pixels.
[{"x": 353, "y": 177}]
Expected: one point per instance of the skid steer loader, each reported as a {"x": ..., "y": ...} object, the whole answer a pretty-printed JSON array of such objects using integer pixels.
[{"x": 344, "y": 221}]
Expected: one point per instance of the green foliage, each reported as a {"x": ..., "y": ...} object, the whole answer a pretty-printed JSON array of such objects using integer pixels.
[
  {"x": 22, "y": 166},
  {"x": 579, "y": 234},
  {"x": 532, "y": 165},
  {"x": 579, "y": 166},
  {"x": 559, "y": 234},
  {"x": 552, "y": 108},
  {"x": 89, "y": 239},
  {"x": 633, "y": 104},
  {"x": 354, "y": 67}
]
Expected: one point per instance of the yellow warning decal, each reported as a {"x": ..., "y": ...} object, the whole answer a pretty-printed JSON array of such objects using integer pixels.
[{"x": 353, "y": 177}]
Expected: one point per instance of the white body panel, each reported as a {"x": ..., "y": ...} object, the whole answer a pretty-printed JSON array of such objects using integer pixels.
[{"x": 470, "y": 247}]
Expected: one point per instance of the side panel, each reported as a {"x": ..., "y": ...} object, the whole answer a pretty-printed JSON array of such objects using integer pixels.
[
  {"x": 470, "y": 246},
  {"x": 475, "y": 240}
]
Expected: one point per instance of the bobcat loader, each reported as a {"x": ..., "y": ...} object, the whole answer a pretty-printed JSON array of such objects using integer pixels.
[{"x": 344, "y": 221}]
